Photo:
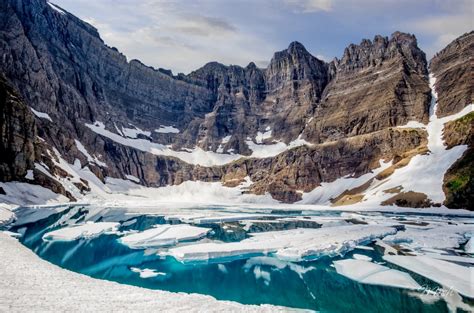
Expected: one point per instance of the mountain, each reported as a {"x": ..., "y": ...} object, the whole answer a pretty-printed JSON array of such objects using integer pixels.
[{"x": 290, "y": 128}]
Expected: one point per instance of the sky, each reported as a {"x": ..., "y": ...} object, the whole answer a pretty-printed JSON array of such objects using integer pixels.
[{"x": 183, "y": 35}]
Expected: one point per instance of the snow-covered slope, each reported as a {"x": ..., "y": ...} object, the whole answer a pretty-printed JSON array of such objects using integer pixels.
[{"x": 31, "y": 284}]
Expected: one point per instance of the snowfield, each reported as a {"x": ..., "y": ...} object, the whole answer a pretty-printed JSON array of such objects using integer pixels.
[{"x": 30, "y": 284}]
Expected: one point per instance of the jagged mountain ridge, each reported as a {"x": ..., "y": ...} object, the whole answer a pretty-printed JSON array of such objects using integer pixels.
[{"x": 346, "y": 108}]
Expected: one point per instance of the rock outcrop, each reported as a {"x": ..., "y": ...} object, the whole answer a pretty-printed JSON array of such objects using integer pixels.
[
  {"x": 453, "y": 68},
  {"x": 17, "y": 135}
]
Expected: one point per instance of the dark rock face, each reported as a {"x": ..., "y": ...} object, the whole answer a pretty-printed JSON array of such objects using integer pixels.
[
  {"x": 345, "y": 108},
  {"x": 375, "y": 85},
  {"x": 17, "y": 135},
  {"x": 453, "y": 68}
]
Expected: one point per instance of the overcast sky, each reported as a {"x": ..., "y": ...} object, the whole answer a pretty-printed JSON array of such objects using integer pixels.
[{"x": 183, "y": 35}]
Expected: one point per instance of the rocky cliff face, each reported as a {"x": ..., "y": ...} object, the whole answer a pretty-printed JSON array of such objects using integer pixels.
[
  {"x": 17, "y": 135},
  {"x": 452, "y": 67},
  {"x": 332, "y": 119}
]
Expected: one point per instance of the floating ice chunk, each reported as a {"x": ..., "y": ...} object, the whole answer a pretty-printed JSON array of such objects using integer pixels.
[
  {"x": 451, "y": 258},
  {"x": 456, "y": 277},
  {"x": 41, "y": 114},
  {"x": 163, "y": 235},
  {"x": 167, "y": 130},
  {"x": 12, "y": 234},
  {"x": 364, "y": 248},
  {"x": 441, "y": 237},
  {"x": 362, "y": 257},
  {"x": 290, "y": 245},
  {"x": 146, "y": 272},
  {"x": 375, "y": 274},
  {"x": 88, "y": 230}
]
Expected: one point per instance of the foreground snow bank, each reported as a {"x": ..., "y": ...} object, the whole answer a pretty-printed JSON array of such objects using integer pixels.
[
  {"x": 289, "y": 245},
  {"x": 31, "y": 284}
]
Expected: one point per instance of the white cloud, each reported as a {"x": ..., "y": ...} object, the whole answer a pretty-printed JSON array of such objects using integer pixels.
[
  {"x": 310, "y": 6},
  {"x": 443, "y": 28},
  {"x": 163, "y": 34}
]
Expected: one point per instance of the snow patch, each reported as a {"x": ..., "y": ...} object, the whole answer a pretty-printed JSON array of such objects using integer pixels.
[
  {"x": 89, "y": 157},
  {"x": 167, "y": 130},
  {"x": 41, "y": 114}
]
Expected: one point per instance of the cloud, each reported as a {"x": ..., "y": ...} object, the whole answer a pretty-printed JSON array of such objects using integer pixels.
[
  {"x": 310, "y": 6},
  {"x": 196, "y": 25},
  {"x": 443, "y": 29}
]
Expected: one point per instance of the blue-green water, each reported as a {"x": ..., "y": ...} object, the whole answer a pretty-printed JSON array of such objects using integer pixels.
[{"x": 319, "y": 288}]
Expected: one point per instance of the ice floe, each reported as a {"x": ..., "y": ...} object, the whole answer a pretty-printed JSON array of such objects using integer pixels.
[
  {"x": 88, "y": 230},
  {"x": 163, "y": 235},
  {"x": 362, "y": 257},
  {"x": 375, "y": 274},
  {"x": 452, "y": 276},
  {"x": 441, "y": 237},
  {"x": 290, "y": 245}
]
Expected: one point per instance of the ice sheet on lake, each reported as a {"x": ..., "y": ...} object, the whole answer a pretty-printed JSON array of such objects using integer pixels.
[
  {"x": 452, "y": 276},
  {"x": 375, "y": 274},
  {"x": 88, "y": 230},
  {"x": 362, "y": 257},
  {"x": 442, "y": 237},
  {"x": 163, "y": 235},
  {"x": 289, "y": 245}
]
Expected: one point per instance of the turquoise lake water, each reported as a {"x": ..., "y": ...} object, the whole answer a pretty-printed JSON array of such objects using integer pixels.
[{"x": 313, "y": 285}]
